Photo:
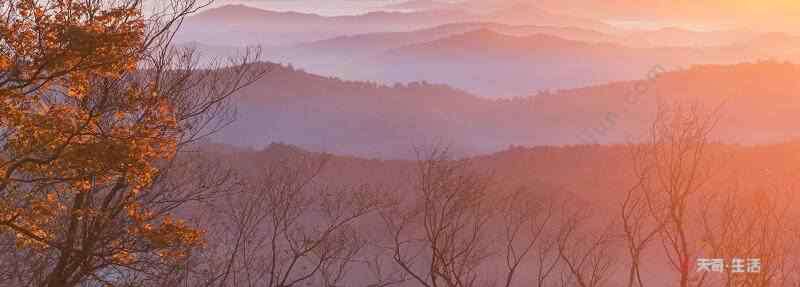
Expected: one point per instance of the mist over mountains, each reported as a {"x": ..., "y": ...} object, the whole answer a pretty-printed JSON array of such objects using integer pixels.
[
  {"x": 377, "y": 84},
  {"x": 524, "y": 64},
  {"x": 244, "y": 25},
  {"x": 445, "y": 47},
  {"x": 373, "y": 120}
]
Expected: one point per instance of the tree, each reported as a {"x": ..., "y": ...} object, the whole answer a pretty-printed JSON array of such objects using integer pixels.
[
  {"x": 674, "y": 166},
  {"x": 438, "y": 237},
  {"x": 741, "y": 222},
  {"x": 587, "y": 254},
  {"x": 457, "y": 225},
  {"x": 688, "y": 198},
  {"x": 95, "y": 104},
  {"x": 285, "y": 228},
  {"x": 525, "y": 220}
]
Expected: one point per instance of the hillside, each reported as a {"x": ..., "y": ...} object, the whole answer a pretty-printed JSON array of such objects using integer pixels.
[
  {"x": 368, "y": 119},
  {"x": 595, "y": 173}
]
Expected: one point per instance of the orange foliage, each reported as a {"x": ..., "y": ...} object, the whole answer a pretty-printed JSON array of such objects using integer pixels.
[{"x": 63, "y": 127}]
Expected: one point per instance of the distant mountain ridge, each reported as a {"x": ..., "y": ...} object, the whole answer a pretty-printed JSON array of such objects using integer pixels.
[
  {"x": 244, "y": 13},
  {"x": 492, "y": 64},
  {"x": 419, "y": 5},
  {"x": 241, "y": 24},
  {"x": 526, "y": 13},
  {"x": 373, "y": 120},
  {"x": 325, "y": 55},
  {"x": 244, "y": 25},
  {"x": 472, "y": 54},
  {"x": 486, "y": 40}
]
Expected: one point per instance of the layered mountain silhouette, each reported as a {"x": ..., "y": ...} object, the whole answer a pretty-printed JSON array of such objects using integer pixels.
[
  {"x": 419, "y": 5},
  {"x": 381, "y": 42},
  {"x": 492, "y": 64},
  {"x": 369, "y": 119},
  {"x": 526, "y": 13},
  {"x": 331, "y": 56},
  {"x": 240, "y": 24},
  {"x": 489, "y": 58}
]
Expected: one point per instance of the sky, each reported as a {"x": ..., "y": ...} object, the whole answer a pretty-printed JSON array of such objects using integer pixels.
[{"x": 778, "y": 15}]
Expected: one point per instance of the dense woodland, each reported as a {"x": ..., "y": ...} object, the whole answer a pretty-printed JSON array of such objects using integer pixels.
[{"x": 108, "y": 177}]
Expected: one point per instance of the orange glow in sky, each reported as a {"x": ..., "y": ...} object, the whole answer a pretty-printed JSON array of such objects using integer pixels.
[{"x": 773, "y": 15}]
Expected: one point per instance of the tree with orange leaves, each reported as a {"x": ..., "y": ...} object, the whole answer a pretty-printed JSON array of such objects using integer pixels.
[{"x": 95, "y": 106}]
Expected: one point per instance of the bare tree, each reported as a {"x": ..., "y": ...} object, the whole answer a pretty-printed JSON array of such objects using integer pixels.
[
  {"x": 525, "y": 220},
  {"x": 438, "y": 237},
  {"x": 742, "y": 224},
  {"x": 674, "y": 165},
  {"x": 287, "y": 229},
  {"x": 639, "y": 229},
  {"x": 456, "y": 228},
  {"x": 586, "y": 253}
]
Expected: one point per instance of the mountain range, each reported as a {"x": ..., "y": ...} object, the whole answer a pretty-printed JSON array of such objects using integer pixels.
[
  {"x": 373, "y": 120},
  {"x": 419, "y": 5},
  {"x": 492, "y": 64},
  {"x": 514, "y": 60},
  {"x": 244, "y": 25}
]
